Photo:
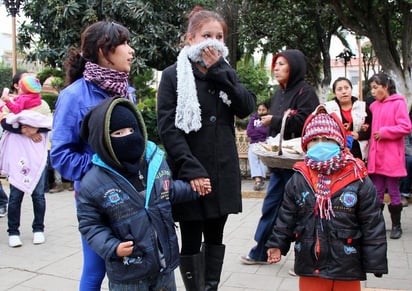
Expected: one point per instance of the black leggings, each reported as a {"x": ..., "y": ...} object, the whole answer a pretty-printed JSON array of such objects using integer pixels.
[{"x": 191, "y": 234}]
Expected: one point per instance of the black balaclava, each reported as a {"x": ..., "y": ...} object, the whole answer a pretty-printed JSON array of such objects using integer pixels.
[{"x": 128, "y": 149}]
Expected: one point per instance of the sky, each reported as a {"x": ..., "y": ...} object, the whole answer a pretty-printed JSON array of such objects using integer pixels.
[
  {"x": 336, "y": 46},
  {"x": 5, "y": 21},
  {"x": 5, "y": 26}
]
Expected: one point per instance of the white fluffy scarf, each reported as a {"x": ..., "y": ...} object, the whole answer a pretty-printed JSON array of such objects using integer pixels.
[{"x": 188, "y": 113}]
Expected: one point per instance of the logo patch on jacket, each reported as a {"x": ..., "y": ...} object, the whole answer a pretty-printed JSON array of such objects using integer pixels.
[
  {"x": 348, "y": 199},
  {"x": 164, "y": 194},
  {"x": 300, "y": 201},
  {"x": 349, "y": 250},
  {"x": 166, "y": 185},
  {"x": 113, "y": 197}
]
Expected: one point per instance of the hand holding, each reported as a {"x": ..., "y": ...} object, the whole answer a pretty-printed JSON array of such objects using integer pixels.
[
  {"x": 31, "y": 132},
  {"x": 207, "y": 186},
  {"x": 201, "y": 185},
  {"x": 124, "y": 249},
  {"x": 274, "y": 255}
]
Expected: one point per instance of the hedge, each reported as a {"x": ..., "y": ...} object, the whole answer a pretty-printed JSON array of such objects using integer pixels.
[
  {"x": 51, "y": 99},
  {"x": 6, "y": 75}
]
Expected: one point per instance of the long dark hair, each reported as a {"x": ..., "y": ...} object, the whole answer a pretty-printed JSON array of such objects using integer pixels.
[
  {"x": 384, "y": 80},
  {"x": 102, "y": 35},
  {"x": 15, "y": 81}
]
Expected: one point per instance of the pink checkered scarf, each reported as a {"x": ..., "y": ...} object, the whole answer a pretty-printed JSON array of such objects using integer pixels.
[{"x": 112, "y": 81}]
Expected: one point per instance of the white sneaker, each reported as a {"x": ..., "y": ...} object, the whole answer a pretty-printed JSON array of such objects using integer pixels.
[
  {"x": 246, "y": 260},
  {"x": 15, "y": 241},
  {"x": 38, "y": 238}
]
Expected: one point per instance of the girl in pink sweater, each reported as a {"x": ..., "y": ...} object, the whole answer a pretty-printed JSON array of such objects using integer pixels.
[{"x": 386, "y": 161}]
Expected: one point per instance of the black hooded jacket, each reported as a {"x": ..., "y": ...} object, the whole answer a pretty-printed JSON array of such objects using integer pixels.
[
  {"x": 111, "y": 210},
  {"x": 298, "y": 96}
]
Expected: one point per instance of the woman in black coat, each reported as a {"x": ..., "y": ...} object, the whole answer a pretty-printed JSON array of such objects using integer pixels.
[
  {"x": 296, "y": 99},
  {"x": 198, "y": 100}
]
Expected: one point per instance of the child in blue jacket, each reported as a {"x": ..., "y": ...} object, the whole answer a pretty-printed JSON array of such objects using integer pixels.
[{"x": 124, "y": 202}]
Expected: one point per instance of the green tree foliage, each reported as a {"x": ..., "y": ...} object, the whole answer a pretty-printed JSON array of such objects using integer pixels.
[
  {"x": 144, "y": 84},
  {"x": 255, "y": 78},
  {"x": 307, "y": 25},
  {"x": 146, "y": 98},
  {"x": 51, "y": 99},
  {"x": 230, "y": 10},
  {"x": 388, "y": 25},
  {"x": 5, "y": 79},
  {"x": 274, "y": 25},
  {"x": 150, "y": 119},
  {"x": 48, "y": 72},
  {"x": 55, "y": 25}
]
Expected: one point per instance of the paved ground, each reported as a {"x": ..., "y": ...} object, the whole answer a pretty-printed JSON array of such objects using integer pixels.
[{"x": 56, "y": 265}]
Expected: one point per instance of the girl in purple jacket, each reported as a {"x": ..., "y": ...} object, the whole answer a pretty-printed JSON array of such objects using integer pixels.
[
  {"x": 257, "y": 132},
  {"x": 386, "y": 162}
]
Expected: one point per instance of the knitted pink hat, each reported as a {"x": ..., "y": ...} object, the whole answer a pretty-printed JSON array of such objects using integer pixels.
[
  {"x": 30, "y": 84},
  {"x": 323, "y": 125}
]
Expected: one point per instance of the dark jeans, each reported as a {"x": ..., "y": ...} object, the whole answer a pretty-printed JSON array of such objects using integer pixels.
[
  {"x": 3, "y": 197},
  {"x": 271, "y": 203},
  {"x": 39, "y": 207},
  {"x": 158, "y": 282},
  {"x": 405, "y": 184}
]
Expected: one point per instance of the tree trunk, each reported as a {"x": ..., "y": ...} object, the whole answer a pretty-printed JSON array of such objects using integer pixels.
[
  {"x": 230, "y": 12},
  {"x": 377, "y": 21}
]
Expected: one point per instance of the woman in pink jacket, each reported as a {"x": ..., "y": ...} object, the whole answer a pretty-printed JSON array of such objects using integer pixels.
[{"x": 386, "y": 162}]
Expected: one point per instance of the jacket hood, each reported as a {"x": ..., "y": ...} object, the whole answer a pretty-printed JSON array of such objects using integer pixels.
[
  {"x": 95, "y": 129},
  {"x": 394, "y": 97},
  {"x": 297, "y": 65}
]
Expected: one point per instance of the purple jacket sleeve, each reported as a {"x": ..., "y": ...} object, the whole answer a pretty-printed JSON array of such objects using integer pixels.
[{"x": 255, "y": 131}]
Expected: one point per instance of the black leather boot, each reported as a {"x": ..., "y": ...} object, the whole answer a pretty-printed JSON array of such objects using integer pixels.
[
  {"x": 395, "y": 211},
  {"x": 192, "y": 269},
  {"x": 214, "y": 255}
]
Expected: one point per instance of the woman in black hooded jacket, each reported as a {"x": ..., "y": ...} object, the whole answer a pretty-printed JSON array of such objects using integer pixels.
[{"x": 299, "y": 99}]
